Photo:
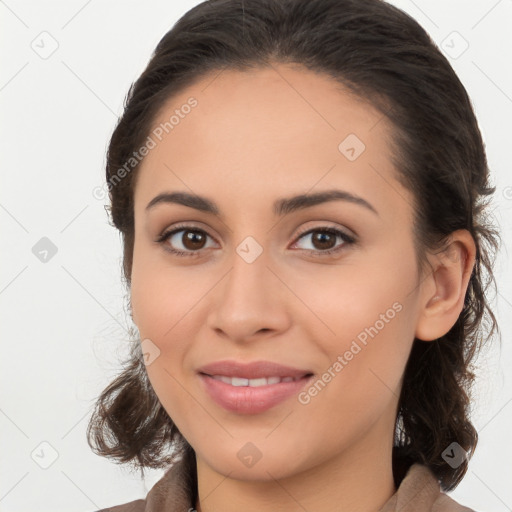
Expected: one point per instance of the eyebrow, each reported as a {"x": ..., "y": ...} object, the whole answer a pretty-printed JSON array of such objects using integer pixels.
[{"x": 280, "y": 207}]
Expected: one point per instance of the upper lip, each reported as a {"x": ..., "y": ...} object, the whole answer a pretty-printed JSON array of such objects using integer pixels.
[{"x": 253, "y": 370}]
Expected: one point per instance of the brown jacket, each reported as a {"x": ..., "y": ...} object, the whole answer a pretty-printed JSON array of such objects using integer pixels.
[{"x": 418, "y": 492}]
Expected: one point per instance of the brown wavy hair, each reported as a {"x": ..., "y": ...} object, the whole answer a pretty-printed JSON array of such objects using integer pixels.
[{"x": 387, "y": 59}]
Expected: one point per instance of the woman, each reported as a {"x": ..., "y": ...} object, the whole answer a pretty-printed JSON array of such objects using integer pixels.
[{"x": 301, "y": 189}]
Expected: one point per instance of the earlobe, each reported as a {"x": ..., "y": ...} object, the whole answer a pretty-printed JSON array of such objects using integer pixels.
[{"x": 445, "y": 288}]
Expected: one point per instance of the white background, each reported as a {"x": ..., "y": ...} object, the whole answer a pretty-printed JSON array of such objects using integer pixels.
[{"x": 63, "y": 321}]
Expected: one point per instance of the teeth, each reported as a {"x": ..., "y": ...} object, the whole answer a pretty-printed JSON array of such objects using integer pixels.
[
  {"x": 238, "y": 381},
  {"x": 254, "y": 383},
  {"x": 257, "y": 382}
]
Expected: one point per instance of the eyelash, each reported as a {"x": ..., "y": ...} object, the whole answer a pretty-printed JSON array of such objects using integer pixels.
[{"x": 347, "y": 239}]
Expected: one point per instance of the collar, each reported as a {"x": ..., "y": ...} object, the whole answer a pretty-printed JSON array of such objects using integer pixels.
[{"x": 419, "y": 491}]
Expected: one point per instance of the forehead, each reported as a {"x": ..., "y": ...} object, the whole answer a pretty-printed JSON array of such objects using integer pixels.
[{"x": 283, "y": 127}]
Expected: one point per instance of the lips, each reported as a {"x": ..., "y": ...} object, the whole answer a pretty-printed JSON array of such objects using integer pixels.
[{"x": 251, "y": 388}]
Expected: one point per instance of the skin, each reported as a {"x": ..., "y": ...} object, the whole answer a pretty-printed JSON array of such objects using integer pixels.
[{"x": 255, "y": 137}]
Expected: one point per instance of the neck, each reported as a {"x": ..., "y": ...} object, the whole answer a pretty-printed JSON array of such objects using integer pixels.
[{"x": 359, "y": 479}]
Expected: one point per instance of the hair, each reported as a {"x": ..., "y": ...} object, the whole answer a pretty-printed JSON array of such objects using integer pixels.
[{"x": 385, "y": 58}]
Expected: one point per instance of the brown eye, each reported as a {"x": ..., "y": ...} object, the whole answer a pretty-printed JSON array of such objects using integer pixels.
[
  {"x": 193, "y": 240},
  {"x": 324, "y": 240},
  {"x": 185, "y": 241}
]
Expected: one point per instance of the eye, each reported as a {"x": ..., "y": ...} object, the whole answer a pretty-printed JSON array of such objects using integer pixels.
[
  {"x": 324, "y": 240},
  {"x": 189, "y": 241},
  {"x": 184, "y": 240}
]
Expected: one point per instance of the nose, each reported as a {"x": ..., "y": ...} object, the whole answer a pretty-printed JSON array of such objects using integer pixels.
[{"x": 250, "y": 302}]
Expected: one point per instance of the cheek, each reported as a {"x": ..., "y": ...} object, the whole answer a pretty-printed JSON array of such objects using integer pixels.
[
  {"x": 166, "y": 320},
  {"x": 161, "y": 295},
  {"x": 165, "y": 304},
  {"x": 363, "y": 322},
  {"x": 348, "y": 299},
  {"x": 162, "y": 305},
  {"x": 365, "y": 359}
]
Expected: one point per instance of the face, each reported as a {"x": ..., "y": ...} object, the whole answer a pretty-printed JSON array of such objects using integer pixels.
[{"x": 327, "y": 287}]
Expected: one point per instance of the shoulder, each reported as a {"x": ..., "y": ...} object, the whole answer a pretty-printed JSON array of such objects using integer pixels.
[
  {"x": 132, "y": 506},
  {"x": 444, "y": 502},
  {"x": 420, "y": 491},
  {"x": 172, "y": 493}
]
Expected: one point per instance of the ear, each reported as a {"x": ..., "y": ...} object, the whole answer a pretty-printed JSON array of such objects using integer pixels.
[{"x": 444, "y": 288}]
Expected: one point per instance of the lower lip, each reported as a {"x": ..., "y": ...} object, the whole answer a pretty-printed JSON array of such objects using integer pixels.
[{"x": 251, "y": 400}]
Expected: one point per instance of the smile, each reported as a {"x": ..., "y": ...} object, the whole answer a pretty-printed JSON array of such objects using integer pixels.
[
  {"x": 252, "y": 396},
  {"x": 254, "y": 383}
]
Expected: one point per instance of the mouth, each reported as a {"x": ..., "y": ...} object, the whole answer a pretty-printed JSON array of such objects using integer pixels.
[
  {"x": 253, "y": 370},
  {"x": 251, "y": 388},
  {"x": 255, "y": 383}
]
